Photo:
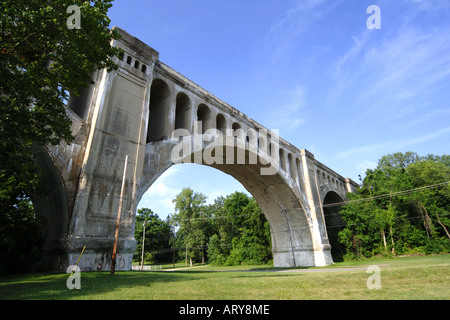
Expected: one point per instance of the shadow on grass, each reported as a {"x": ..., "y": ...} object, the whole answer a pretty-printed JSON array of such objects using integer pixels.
[
  {"x": 94, "y": 285},
  {"x": 53, "y": 286}
]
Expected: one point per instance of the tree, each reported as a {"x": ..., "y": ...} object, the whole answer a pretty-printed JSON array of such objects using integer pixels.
[
  {"x": 397, "y": 160},
  {"x": 402, "y": 206},
  {"x": 20, "y": 238},
  {"x": 360, "y": 235},
  {"x": 234, "y": 229},
  {"x": 41, "y": 61},
  {"x": 244, "y": 233},
  {"x": 216, "y": 255},
  {"x": 158, "y": 234},
  {"x": 253, "y": 243},
  {"x": 189, "y": 216},
  {"x": 433, "y": 204}
]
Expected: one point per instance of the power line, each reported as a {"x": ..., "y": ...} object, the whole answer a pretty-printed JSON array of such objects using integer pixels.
[
  {"x": 398, "y": 193},
  {"x": 217, "y": 217},
  {"x": 184, "y": 248},
  {"x": 335, "y": 204}
]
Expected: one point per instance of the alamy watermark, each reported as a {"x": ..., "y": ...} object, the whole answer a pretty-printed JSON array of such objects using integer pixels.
[
  {"x": 74, "y": 21},
  {"x": 374, "y": 21},
  {"x": 236, "y": 146},
  {"x": 74, "y": 280},
  {"x": 374, "y": 281}
]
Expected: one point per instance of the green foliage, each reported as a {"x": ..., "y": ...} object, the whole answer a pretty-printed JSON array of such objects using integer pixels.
[
  {"x": 216, "y": 254},
  {"x": 383, "y": 219},
  {"x": 230, "y": 231},
  {"x": 242, "y": 224},
  {"x": 395, "y": 211},
  {"x": 252, "y": 244},
  {"x": 158, "y": 235},
  {"x": 191, "y": 218},
  {"x": 20, "y": 238},
  {"x": 41, "y": 61}
]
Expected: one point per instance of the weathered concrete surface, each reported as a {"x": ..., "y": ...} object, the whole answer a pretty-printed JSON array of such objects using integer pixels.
[{"x": 135, "y": 111}]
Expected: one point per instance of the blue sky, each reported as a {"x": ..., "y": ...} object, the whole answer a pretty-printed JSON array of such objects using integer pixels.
[{"x": 310, "y": 68}]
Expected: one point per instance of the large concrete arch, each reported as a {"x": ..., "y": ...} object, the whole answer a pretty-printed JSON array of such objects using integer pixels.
[
  {"x": 293, "y": 225},
  {"x": 51, "y": 204},
  {"x": 332, "y": 204}
]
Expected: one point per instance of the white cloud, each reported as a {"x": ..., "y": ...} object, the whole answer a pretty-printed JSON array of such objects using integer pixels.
[
  {"x": 158, "y": 189},
  {"x": 285, "y": 33},
  {"x": 160, "y": 194},
  {"x": 352, "y": 53},
  {"x": 410, "y": 64},
  {"x": 392, "y": 75},
  {"x": 426, "y": 137},
  {"x": 425, "y": 117},
  {"x": 392, "y": 145},
  {"x": 292, "y": 114},
  {"x": 429, "y": 5},
  {"x": 367, "y": 149}
]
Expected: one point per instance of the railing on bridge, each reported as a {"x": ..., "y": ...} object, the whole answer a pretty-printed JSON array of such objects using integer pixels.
[{"x": 146, "y": 268}]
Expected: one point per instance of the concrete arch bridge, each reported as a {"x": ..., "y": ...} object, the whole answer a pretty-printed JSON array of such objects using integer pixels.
[{"x": 157, "y": 117}]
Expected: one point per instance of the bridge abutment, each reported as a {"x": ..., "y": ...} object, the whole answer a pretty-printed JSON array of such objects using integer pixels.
[{"x": 118, "y": 127}]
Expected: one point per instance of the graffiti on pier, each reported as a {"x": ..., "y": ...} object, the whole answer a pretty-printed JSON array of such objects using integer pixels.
[{"x": 101, "y": 262}]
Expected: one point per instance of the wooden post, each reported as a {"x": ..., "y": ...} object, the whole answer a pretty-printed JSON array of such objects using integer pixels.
[
  {"x": 113, "y": 260},
  {"x": 73, "y": 271}
]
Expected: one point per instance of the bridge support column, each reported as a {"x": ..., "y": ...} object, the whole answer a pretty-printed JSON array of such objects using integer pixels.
[
  {"x": 298, "y": 253},
  {"x": 118, "y": 128},
  {"x": 298, "y": 245},
  {"x": 321, "y": 246},
  {"x": 296, "y": 237}
]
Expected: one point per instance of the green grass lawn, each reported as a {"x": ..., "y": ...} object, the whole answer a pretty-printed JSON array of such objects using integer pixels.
[{"x": 426, "y": 277}]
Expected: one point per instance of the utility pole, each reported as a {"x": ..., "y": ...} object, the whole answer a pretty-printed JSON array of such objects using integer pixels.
[
  {"x": 143, "y": 242},
  {"x": 113, "y": 260}
]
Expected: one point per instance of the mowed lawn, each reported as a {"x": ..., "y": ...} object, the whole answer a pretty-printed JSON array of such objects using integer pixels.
[{"x": 425, "y": 277}]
